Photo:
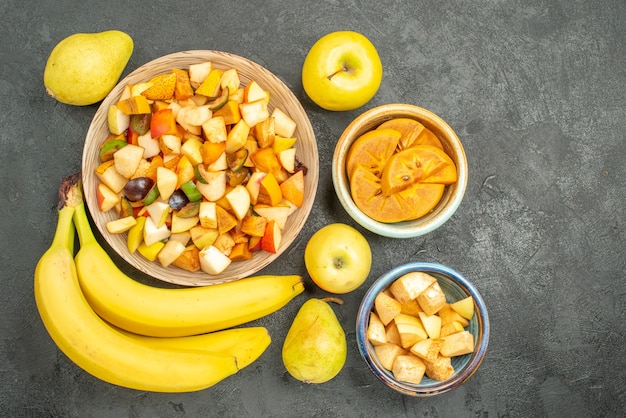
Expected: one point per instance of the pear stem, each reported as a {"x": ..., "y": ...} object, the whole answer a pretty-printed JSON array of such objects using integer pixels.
[{"x": 333, "y": 299}]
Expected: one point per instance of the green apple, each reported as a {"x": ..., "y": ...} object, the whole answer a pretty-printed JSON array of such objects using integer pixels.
[
  {"x": 338, "y": 258},
  {"x": 342, "y": 71}
]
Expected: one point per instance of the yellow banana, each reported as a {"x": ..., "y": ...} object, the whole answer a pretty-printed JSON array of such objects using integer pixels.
[
  {"x": 160, "y": 312},
  {"x": 97, "y": 347},
  {"x": 246, "y": 343}
]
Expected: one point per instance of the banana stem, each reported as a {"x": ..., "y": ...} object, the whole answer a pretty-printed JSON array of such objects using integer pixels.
[
  {"x": 64, "y": 234},
  {"x": 71, "y": 193}
]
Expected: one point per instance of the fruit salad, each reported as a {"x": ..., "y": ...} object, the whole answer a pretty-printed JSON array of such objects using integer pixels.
[{"x": 200, "y": 168}]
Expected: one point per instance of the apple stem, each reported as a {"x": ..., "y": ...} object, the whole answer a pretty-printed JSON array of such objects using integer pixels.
[
  {"x": 333, "y": 299},
  {"x": 341, "y": 70}
]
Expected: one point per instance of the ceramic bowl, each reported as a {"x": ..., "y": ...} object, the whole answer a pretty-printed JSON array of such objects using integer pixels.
[
  {"x": 456, "y": 287},
  {"x": 280, "y": 96},
  {"x": 452, "y": 196}
]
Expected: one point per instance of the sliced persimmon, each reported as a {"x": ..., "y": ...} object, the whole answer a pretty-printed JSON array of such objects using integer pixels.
[
  {"x": 371, "y": 150},
  {"x": 413, "y": 133},
  {"x": 418, "y": 164},
  {"x": 408, "y": 204}
]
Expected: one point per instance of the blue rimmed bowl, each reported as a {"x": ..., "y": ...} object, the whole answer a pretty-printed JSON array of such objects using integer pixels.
[{"x": 456, "y": 287}]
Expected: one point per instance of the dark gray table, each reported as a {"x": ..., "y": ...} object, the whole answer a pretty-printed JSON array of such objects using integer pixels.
[{"x": 535, "y": 90}]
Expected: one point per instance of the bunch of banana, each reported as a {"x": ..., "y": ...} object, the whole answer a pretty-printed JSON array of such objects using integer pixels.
[{"x": 116, "y": 355}]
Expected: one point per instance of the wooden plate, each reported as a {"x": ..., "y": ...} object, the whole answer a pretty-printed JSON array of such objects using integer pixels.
[{"x": 280, "y": 96}]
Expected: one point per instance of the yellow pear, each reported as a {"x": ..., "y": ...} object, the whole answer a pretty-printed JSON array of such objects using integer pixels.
[
  {"x": 84, "y": 67},
  {"x": 315, "y": 347}
]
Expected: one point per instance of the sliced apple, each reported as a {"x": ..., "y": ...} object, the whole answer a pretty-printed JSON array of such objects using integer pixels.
[
  {"x": 183, "y": 224},
  {"x": 213, "y": 261},
  {"x": 292, "y": 189},
  {"x": 127, "y": 159},
  {"x": 182, "y": 237},
  {"x": 237, "y": 136},
  {"x": 135, "y": 234},
  {"x": 230, "y": 80},
  {"x": 185, "y": 171},
  {"x": 194, "y": 115},
  {"x": 120, "y": 225},
  {"x": 254, "y": 185},
  {"x": 158, "y": 211},
  {"x": 215, "y": 186},
  {"x": 212, "y": 151},
  {"x": 239, "y": 200},
  {"x": 108, "y": 175},
  {"x": 214, "y": 129},
  {"x": 198, "y": 72},
  {"x": 431, "y": 323},
  {"x": 253, "y": 91},
  {"x": 207, "y": 214},
  {"x": 151, "y": 146},
  {"x": 281, "y": 143},
  {"x": 150, "y": 252},
  {"x": 464, "y": 307},
  {"x": 270, "y": 241},
  {"x": 287, "y": 159},
  {"x": 166, "y": 182},
  {"x": 153, "y": 233},
  {"x": 278, "y": 213},
  {"x": 254, "y": 112},
  {"x": 117, "y": 120},
  {"x": 284, "y": 125},
  {"x": 203, "y": 237},
  {"x": 264, "y": 132},
  {"x": 220, "y": 164},
  {"x": 170, "y": 144},
  {"x": 192, "y": 149},
  {"x": 269, "y": 192},
  {"x": 107, "y": 198},
  {"x": 170, "y": 252}
]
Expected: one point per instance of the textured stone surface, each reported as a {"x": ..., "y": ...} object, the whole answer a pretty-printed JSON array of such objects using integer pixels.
[{"x": 536, "y": 92}]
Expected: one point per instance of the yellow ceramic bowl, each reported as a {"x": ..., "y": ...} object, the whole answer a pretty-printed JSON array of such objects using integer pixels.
[
  {"x": 280, "y": 96},
  {"x": 452, "y": 196}
]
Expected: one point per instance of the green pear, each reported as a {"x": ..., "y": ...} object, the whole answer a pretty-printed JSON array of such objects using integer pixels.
[
  {"x": 84, "y": 67},
  {"x": 315, "y": 347}
]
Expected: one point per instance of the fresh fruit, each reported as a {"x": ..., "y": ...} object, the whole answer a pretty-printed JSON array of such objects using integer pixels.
[
  {"x": 94, "y": 345},
  {"x": 152, "y": 311},
  {"x": 421, "y": 342},
  {"x": 208, "y": 140},
  {"x": 315, "y": 348},
  {"x": 398, "y": 171},
  {"x": 84, "y": 67},
  {"x": 372, "y": 150},
  {"x": 338, "y": 258},
  {"x": 412, "y": 133},
  {"x": 342, "y": 71}
]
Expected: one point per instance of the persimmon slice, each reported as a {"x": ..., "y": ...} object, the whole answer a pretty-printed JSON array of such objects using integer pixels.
[
  {"x": 371, "y": 150},
  {"x": 418, "y": 164},
  {"x": 413, "y": 133},
  {"x": 408, "y": 204}
]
